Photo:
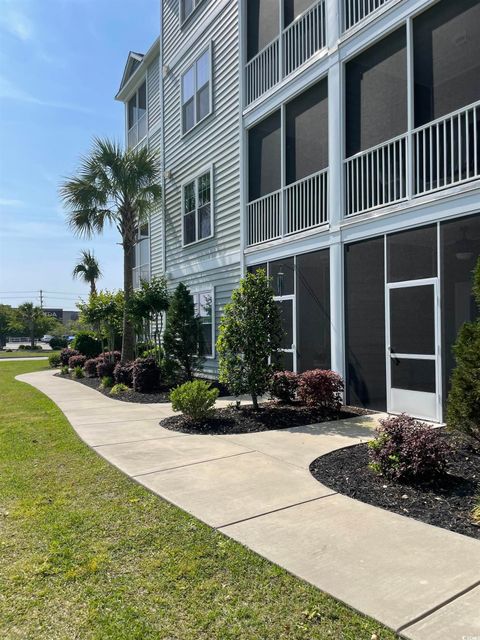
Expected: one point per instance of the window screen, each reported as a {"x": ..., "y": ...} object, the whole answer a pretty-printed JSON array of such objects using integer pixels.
[
  {"x": 264, "y": 148},
  {"x": 313, "y": 311},
  {"x": 376, "y": 94},
  {"x": 294, "y": 8},
  {"x": 446, "y": 58},
  {"x": 412, "y": 320},
  {"x": 282, "y": 273},
  {"x": 412, "y": 254},
  {"x": 262, "y": 24},
  {"x": 414, "y": 375},
  {"x": 306, "y": 123},
  {"x": 365, "y": 323}
]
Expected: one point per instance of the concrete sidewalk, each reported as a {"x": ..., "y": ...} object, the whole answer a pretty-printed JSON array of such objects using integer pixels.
[{"x": 420, "y": 580}]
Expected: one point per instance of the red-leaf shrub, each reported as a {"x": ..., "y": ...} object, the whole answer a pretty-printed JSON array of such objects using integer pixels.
[
  {"x": 90, "y": 367},
  {"x": 66, "y": 354},
  {"x": 284, "y": 385},
  {"x": 406, "y": 449},
  {"x": 321, "y": 388},
  {"x": 123, "y": 373},
  {"x": 105, "y": 368},
  {"x": 116, "y": 356},
  {"x": 146, "y": 375},
  {"x": 76, "y": 361}
]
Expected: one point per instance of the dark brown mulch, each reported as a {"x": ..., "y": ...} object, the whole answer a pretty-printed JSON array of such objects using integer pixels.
[
  {"x": 446, "y": 502},
  {"x": 245, "y": 419},
  {"x": 133, "y": 396}
]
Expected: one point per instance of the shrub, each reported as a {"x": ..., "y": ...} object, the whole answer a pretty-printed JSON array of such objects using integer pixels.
[
  {"x": 284, "y": 385},
  {"x": 119, "y": 389},
  {"x": 76, "y": 361},
  {"x": 64, "y": 370},
  {"x": 90, "y": 367},
  {"x": 123, "y": 373},
  {"x": 54, "y": 360},
  {"x": 463, "y": 413},
  {"x": 78, "y": 372},
  {"x": 87, "y": 345},
  {"x": 195, "y": 400},
  {"x": 406, "y": 449},
  {"x": 115, "y": 356},
  {"x": 58, "y": 343},
  {"x": 321, "y": 388},
  {"x": 105, "y": 368},
  {"x": 66, "y": 354},
  {"x": 146, "y": 375},
  {"x": 106, "y": 382},
  {"x": 28, "y": 347},
  {"x": 476, "y": 512}
]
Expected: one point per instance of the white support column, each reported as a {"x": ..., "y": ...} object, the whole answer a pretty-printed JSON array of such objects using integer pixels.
[
  {"x": 333, "y": 16},
  {"x": 410, "y": 110}
]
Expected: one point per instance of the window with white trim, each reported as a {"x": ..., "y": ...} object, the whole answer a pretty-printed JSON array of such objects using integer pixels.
[
  {"x": 203, "y": 301},
  {"x": 196, "y": 91},
  {"x": 141, "y": 269},
  {"x": 197, "y": 208},
  {"x": 187, "y": 7},
  {"x": 137, "y": 116}
]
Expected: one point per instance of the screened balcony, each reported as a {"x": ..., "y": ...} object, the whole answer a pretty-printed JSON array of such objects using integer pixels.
[
  {"x": 137, "y": 116},
  {"x": 281, "y": 37}
]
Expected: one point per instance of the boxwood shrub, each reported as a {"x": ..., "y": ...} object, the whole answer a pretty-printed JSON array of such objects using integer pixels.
[
  {"x": 196, "y": 399},
  {"x": 86, "y": 344}
]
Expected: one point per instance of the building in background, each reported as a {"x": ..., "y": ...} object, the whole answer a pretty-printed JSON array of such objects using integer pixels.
[{"x": 336, "y": 144}]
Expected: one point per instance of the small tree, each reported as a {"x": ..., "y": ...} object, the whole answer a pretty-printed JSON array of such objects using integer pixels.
[
  {"x": 182, "y": 339},
  {"x": 147, "y": 306},
  {"x": 463, "y": 413},
  {"x": 33, "y": 321},
  {"x": 250, "y": 335},
  {"x": 104, "y": 313}
]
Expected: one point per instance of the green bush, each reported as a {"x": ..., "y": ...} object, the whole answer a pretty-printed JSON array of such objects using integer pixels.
[
  {"x": 78, "y": 372},
  {"x": 106, "y": 382},
  {"x": 87, "y": 345},
  {"x": 195, "y": 400},
  {"x": 58, "y": 343},
  {"x": 54, "y": 360},
  {"x": 119, "y": 389},
  {"x": 463, "y": 412},
  {"x": 64, "y": 370}
]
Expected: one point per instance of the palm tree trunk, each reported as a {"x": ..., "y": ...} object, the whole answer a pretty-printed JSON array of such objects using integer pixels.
[{"x": 128, "y": 341}]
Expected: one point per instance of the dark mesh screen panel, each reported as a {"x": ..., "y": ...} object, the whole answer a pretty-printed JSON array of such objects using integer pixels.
[
  {"x": 283, "y": 361},
  {"x": 446, "y": 58},
  {"x": 414, "y": 375},
  {"x": 282, "y": 273},
  {"x": 376, "y": 94},
  {"x": 365, "y": 323},
  {"x": 294, "y": 8},
  {"x": 262, "y": 24},
  {"x": 285, "y": 308},
  {"x": 255, "y": 267},
  {"x": 264, "y": 148},
  {"x": 313, "y": 311},
  {"x": 412, "y": 254},
  {"x": 412, "y": 320},
  {"x": 306, "y": 124},
  {"x": 459, "y": 250}
]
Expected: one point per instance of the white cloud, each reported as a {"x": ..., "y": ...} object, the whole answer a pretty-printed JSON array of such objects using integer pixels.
[
  {"x": 11, "y": 202},
  {"x": 9, "y": 91},
  {"x": 13, "y": 21}
]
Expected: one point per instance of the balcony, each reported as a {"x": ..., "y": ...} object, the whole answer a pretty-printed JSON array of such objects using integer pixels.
[
  {"x": 297, "y": 207},
  {"x": 296, "y": 44},
  {"x": 355, "y": 11},
  {"x": 138, "y": 131},
  {"x": 441, "y": 154}
]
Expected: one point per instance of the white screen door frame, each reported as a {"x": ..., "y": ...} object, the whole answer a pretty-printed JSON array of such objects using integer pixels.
[
  {"x": 293, "y": 349},
  {"x": 419, "y": 404}
]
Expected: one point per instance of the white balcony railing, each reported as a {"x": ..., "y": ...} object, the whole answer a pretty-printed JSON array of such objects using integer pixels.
[
  {"x": 297, "y": 207},
  {"x": 440, "y": 154},
  {"x": 297, "y": 43},
  {"x": 446, "y": 151},
  {"x": 138, "y": 131},
  {"x": 354, "y": 11},
  {"x": 376, "y": 177}
]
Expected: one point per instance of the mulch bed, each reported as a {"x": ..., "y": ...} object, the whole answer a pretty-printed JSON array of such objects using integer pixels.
[
  {"x": 133, "y": 396},
  {"x": 447, "y": 502},
  {"x": 244, "y": 419}
]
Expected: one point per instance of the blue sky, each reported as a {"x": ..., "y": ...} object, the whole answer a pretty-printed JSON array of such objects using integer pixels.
[{"x": 61, "y": 62}]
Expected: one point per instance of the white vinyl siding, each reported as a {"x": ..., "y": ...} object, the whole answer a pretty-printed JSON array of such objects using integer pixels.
[{"x": 187, "y": 7}]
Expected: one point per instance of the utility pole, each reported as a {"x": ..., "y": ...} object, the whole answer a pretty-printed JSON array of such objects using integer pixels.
[{"x": 41, "y": 299}]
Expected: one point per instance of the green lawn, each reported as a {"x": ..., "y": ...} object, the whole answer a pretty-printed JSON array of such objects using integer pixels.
[
  {"x": 25, "y": 354},
  {"x": 87, "y": 553}
]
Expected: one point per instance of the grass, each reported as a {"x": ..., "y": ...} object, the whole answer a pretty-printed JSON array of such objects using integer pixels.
[
  {"x": 26, "y": 354},
  {"x": 87, "y": 553}
]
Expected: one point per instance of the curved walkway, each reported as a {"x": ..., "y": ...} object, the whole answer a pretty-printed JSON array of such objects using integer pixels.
[{"x": 420, "y": 580}]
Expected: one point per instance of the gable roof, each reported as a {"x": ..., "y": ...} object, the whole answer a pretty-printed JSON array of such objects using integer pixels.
[
  {"x": 134, "y": 60},
  {"x": 133, "y": 69}
]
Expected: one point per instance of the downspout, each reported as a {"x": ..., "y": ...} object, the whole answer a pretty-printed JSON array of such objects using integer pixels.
[
  {"x": 162, "y": 146},
  {"x": 242, "y": 133}
]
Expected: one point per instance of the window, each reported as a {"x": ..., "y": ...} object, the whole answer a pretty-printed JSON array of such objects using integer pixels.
[
  {"x": 203, "y": 302},
  {"x": 141, "y": 269},
  {"x": 187, "y": 7},
  {"x": 197, "y": 208},
  {"x": 137, "y": 116},
  {"x": 196, "y": 91}
]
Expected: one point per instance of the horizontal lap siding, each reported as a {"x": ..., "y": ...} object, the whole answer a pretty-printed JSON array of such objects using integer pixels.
[
  {"x": 156, "y": 227},
  {"x": 153, "y": 77}
]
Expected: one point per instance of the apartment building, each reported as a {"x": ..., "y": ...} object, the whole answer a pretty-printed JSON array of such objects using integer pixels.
[{"x": 335, "y": 144}]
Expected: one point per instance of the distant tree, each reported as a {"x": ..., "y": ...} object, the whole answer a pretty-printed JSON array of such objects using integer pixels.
[
  {"x": 104, "y": 313},
  {"x": 6, "y": 318},
  {"x": 117, "y": 187},
  {"x": 463, "y": 411},
  {"x": 250, "y": 336},
  {"x": 88, "y": 270},
  {"x": 147, "y": 306},
  {"x": 32, "y": 321},
  {"x": 182, "y": 339}
]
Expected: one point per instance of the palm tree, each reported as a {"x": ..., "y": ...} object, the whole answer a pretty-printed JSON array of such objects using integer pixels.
[
  {"x": 120, "y": 188},
  {"x": 30, "y": 316},
  {"x": 88, "y": 270}
]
